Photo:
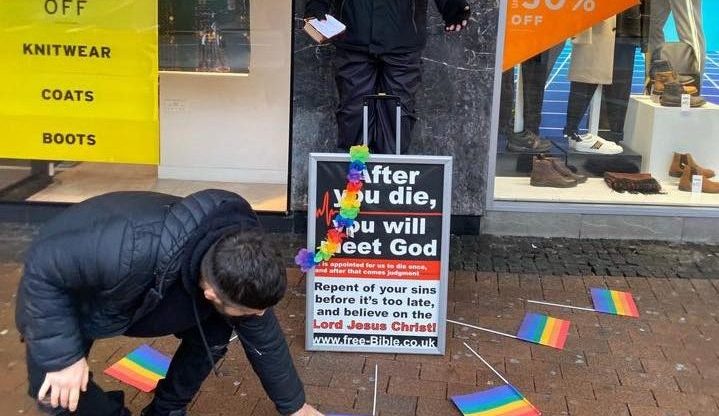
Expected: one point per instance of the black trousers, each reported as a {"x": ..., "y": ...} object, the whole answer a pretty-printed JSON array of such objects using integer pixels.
[
  {"x": 535, "y": 72},
  {"x": 615, "y": 97},
  {"x": 189, "y": 367},
  {"x": 359, "y": 74}
]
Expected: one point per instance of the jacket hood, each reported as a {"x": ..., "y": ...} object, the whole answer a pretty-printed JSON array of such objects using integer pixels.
[{"x": 229, "y": 217}]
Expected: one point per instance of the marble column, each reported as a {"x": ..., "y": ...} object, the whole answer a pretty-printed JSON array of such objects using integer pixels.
[{"x": 454, "y": 103}]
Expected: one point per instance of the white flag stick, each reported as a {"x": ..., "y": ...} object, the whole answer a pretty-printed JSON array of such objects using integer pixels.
[
  {"x": 486, "y": 363},
  {"x": 483, "y": 329},
  {"x": 562, "y": 306},
  {"x": 374, "y": 401},
  {"x": 539, "y": 412}
]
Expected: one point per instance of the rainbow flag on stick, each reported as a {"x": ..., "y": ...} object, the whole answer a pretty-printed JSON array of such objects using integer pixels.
[
  {"x": 142, "y": 368},
  {"x": 544, "y": 330},
  {"x": 606, "y": 301},
  {"x": 499, "y": 401},
  {"x": 614, "y": 302}
]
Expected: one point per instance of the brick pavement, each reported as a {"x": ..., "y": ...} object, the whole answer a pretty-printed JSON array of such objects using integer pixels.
[
  {"x": 570, "y": 257},
  {"x": 665, "y": 363},
  {"x": 531, "y": 255}
]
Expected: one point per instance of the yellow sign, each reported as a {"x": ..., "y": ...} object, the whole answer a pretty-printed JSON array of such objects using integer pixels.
[
  {"x": 533, "y": 26},
  {"x": 80, "y": 80}
]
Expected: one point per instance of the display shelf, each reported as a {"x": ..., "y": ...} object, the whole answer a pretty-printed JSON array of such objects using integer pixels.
[
  {"x": 595, "y": 191},
  {"x": 594, "y": 165},
  {"x": 657, "y": 132},
  {"x": 520, "y": 163}
]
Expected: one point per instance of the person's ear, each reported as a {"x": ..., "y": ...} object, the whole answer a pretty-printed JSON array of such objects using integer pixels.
[{"x": 210, "y": 294}]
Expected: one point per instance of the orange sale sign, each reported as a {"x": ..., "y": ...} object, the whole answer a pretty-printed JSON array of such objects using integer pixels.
[{"x": 533, "y": 26}]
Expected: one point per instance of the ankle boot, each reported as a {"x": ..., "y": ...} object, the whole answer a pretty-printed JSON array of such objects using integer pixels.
[
  {"x": 685, "y": 182},
  {"x": 679, "y": 160},
  {"x": 563, "y": 170},
  {"x": 672, "y": 96},
  {"x": 544, "y": 174},
  {"x": 663, "y": 78},
  {"x": 663, "y": 73}
]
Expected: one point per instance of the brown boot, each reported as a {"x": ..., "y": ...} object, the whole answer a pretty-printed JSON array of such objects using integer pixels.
[
  {"x": 662, "y": 78},
  {"x": 563, "y": 170},
  {"x": 679, "y": 160},
  {"x": 685, "y": 183},
  {"x": 544, "y": 174}
]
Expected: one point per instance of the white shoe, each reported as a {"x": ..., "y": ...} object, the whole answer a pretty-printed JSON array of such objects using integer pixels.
[{"x": 589, "y": 143}]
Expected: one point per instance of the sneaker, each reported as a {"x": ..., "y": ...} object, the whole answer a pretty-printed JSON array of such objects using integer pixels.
[
  {"x": 527, "y": 141},
  {"x": 589, "y": 143}
]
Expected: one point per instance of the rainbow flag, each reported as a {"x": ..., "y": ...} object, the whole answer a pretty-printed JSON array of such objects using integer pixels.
[
  {"x": 499, "y": 401},
  {"x": 614, "y": 302},
  {"x": 142, "y": 368},
  {"x": 544, "y": 330}
]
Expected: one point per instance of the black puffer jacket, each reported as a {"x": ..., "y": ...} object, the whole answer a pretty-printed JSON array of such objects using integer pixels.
[
  {"x": 101, "y": 265},
  {"x": 384, "y": 26}
]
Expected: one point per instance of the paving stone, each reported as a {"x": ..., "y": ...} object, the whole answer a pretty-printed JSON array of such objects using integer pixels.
[
  {"x": 695, "y": 402},
  {"x": 664, "y": 363},
  {"x": 399, "y": 386},
  {"x": 580, "y": 406},
  {"x": 637, "y": 410}
]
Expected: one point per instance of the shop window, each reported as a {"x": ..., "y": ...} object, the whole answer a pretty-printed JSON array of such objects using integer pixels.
[
  {"x": 222, "y": 121},
  {"x": 623, "y": 112},
  {"x": 205, "y": 36}
]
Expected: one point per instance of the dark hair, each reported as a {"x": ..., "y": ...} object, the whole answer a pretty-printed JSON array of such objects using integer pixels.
[{"x": 246, "y": 270}]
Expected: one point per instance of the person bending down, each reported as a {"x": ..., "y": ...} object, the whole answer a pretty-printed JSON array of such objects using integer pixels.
[{"x": 143, "y": 264}]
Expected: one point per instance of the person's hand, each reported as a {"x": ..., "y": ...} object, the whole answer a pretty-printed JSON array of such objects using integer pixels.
[
  {"x": 316, "y": 13},
  {"x": 459, "y": 22},
  {"x": 307, "y": 410},
  {"x": 65, "y": 385}
]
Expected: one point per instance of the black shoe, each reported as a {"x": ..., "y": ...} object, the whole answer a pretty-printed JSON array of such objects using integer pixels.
[
  {"x": 527, "y": 141},
  {"x": 672, "y": 96}
]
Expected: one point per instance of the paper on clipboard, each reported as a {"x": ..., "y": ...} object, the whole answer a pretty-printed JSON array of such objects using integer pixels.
[{"x": 323, "y": 30}]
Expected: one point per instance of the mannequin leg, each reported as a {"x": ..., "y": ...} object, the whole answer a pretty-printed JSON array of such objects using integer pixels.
[
  {"x": 580, "y": 96},
  {"x": 535, "y": 73},
  {"x": 688, "y": 17},
  {"x": 659, "y": 15},
  {"x": 616, "y": 95}
]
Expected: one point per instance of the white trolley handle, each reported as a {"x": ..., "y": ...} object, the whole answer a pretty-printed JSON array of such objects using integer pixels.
[{"x": 365, "y": 118}]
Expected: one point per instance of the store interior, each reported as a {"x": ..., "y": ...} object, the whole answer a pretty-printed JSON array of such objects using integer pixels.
[
  {"x": 645, "y": 142},
  {"x": 223, "y": 113}
]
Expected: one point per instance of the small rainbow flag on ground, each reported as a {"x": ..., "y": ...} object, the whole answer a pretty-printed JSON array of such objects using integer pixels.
[
  {"x": 499, "y": 401},
  {"x": 142, "y": 368},
  {"x": 544, "y": 330},
  {"x": 614, "y": 302}
]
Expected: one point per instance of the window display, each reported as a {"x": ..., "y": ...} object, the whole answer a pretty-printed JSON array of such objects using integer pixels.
[
  {"x": 205, "y": 36},
  {"x": 220, "y": 132},
  {"x": 616, "y": 114}
]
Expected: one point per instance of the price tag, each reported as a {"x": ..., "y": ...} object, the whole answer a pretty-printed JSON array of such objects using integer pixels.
[
  {"x": 686, "y": 102},
  {"x": 697, "y": 184}
]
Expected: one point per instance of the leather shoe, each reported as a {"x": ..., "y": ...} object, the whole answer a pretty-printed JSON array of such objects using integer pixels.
[
  {"x": 544, "y": 174},
  {"x": 685, "y": 182},
  {"x": 563, "y": 169},
  {"x": 672, "y": 96},
  {"x": 679, "y": 160},
  {"x": 527, "y": 141}
]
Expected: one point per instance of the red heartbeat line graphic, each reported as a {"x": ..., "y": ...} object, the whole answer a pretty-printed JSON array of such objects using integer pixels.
[
  {"x": 325, "y": 210},
  {"x": 329, "y": 213}
]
